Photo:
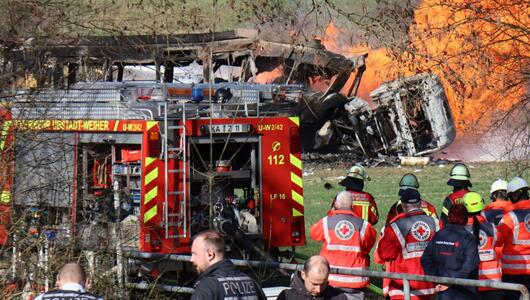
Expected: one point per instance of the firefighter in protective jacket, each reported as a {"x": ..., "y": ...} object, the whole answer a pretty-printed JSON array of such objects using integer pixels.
[
  {"x": 409, "y": 181},
  {"x": 363, "y": 204},
  {"x": 515, "y": 224},
  {"x": 489, "y": 239},
  {"x": 402, "y": 244},
  {"x": 459, "y": 179},
  {"x": 218, "y": 278},
  {"x": 348, "y": 240}
]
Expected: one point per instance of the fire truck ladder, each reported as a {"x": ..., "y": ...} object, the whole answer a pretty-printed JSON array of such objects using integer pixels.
[{"x": 175, "y": 152}]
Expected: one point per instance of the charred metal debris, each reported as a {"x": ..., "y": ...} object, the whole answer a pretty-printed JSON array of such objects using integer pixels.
[{"x": 410, "y": 116}]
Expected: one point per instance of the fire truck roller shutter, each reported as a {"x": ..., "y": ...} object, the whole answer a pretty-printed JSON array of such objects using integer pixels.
[
  {"x": 118, "y": 139},
  {"x": 44, "y": 169}
]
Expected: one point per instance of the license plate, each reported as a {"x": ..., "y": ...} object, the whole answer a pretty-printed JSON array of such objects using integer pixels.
[{"x": 229, "y": 128}]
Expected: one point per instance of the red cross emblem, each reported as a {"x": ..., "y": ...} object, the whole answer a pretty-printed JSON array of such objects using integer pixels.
[
  {"x": 344, "y": 230},
  {"x": 482, "y": 238},
  {"x": 421, "y": 231}
]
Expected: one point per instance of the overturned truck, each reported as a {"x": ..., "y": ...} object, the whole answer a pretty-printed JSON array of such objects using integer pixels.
[{"x": 411, "y": 115}]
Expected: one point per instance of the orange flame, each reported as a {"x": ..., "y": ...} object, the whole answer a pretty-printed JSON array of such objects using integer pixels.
[
  {"x": 379, "y": 64},
  {"x": 268, "y": 77},
  {"x": 447, "y": 43},
  {"x": 477, "y": 51}
]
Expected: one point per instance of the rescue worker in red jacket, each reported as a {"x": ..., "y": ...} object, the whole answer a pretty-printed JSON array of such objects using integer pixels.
[
  {"x": 515, "y": 224},
  {"x": 364, "y": 204},
  {"x": 499, "y": 197},
  {"x": 409, "y": 180},
  {"x": 490, "y": 267},
  {"x": 402, "y": 244},
  {"x": 348, "y": 240},
  {"x": 459, "y": 179}
]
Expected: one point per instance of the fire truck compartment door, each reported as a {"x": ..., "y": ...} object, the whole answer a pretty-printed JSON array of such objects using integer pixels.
[{"x": 44, "y": 168}]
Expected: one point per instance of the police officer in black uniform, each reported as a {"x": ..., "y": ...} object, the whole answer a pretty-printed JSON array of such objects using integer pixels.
[
  {"x": 71, "y": 285},
  {"x": 218, "y": 278}
]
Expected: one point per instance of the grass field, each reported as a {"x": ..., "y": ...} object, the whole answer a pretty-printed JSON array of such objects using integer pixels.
[{"x": 384, "y": 188}]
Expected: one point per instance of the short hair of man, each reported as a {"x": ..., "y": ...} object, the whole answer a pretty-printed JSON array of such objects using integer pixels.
[
  {"x": 343, "y": 200},
  {"x": 316, "y": 262},
  {"x": 72, "y": 272},
  {"x": 213, "y": 240}
]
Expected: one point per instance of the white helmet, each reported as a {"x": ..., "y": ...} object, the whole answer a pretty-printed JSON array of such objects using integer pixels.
[
  {"x": 498, "y": 184},
  {"x": 517, "y": 183}
]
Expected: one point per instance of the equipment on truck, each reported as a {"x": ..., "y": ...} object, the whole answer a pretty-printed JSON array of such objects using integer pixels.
[{"x": 144, "y": 166}]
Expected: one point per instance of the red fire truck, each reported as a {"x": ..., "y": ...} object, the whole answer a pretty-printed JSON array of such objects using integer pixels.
[{"x": 146, "y": 166}]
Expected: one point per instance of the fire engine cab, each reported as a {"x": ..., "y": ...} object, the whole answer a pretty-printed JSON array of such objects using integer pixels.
[{"x": 147, "y": 165}]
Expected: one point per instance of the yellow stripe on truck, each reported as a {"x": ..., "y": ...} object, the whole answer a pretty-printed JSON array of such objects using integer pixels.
[
  {"x": 5, "y": 130},
  {"x": 151, "y": 195},
  {"x": 151, "y": 176},
  {"x": 151, "y": 124},
  {"x": 297, "y": 197},
  {"x": 149, "y": 160},
  {"x": 5, "y": 197},
  {"x": 297, "y": 180},
  {"x": 150, "y": 190},
  {"x": 296, "y": 213},
  {"x": 295, "y": 161},
  {"x": 150, "y": 214},
  {"x": 295, "y": 120}
]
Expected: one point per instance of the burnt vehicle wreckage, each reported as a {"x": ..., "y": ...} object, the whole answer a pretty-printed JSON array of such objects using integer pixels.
[{"x": 411, "y": 115}]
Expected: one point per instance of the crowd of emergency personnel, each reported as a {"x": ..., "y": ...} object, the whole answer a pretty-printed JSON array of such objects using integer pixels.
[{"x": 470, "y": 240}]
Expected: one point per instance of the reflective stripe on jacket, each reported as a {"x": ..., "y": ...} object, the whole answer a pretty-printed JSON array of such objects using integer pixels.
[
  {"x": 347, "y": 241},
  {"x": 402, "y": 245},
  {"x": 515, "y": 224},
  {"x": 490, "y": 267},
  {"x": 449, "y": 201},
  {"x": 364, "y": 206}
]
